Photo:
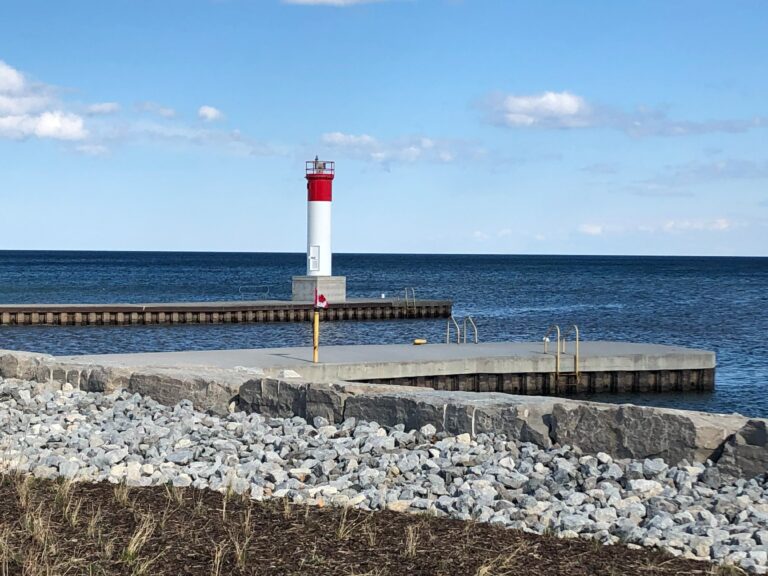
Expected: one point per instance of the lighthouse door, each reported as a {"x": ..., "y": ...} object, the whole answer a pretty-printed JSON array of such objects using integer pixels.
[{"x": 314, "y": 258}]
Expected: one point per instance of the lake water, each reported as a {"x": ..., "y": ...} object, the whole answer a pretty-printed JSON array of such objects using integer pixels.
[{"x": 719, "y": 304}]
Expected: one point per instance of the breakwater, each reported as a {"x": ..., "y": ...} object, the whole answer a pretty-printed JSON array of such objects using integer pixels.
[{"x": 258, "y": 311}]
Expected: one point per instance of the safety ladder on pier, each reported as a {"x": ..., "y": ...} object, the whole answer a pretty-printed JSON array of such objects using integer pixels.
[
  {"x": 461, "y": 334},
  {"x": 412, "y": 300},
  {"x": 561, "y": 341}
]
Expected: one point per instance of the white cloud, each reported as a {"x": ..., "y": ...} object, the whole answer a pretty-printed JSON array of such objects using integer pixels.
[
  {"x": 408, "y": 149},
  {"x": 61, "y": 125},
  {"x": 233, "y": 141},
  {"x": 32, "y": 110},
  {"x": 103, "y": 108},
  {"x": 352, "y": 140},
  {"x": 670, "y": 226},
  {"x": 716, "y": 225},
  {"x": 155, "y": 108},
  {"x": 592, "y": 229},
  {"x": 28, "y": 110},
  {"x": 54, "y": 124},
  {"x": 13, "y": 104},
  {"x": 209, "y": 113},
  {"x": 555, "y": 110},
  {"x": 688, "y": 174},
  {"x": 11, "y": 80},
  {"x": 549, "y": 109}
]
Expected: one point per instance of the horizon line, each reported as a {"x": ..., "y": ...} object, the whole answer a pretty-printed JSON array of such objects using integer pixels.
[{"x": 475, "y": 254}]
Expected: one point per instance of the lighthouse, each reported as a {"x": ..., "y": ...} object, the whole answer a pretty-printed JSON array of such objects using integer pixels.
[
  {"x": 319, "y": 278},
  {"x": 319, "y": 174}
]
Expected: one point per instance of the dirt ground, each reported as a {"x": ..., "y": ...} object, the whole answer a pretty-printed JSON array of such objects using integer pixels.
[{"x": 51, "y": 528}]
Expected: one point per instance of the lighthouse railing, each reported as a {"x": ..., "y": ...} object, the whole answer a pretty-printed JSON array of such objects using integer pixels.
[{"x": 320, "y": 167}]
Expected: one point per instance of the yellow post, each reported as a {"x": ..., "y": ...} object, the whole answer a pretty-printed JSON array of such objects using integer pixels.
[{"x": 315, "y": 335}]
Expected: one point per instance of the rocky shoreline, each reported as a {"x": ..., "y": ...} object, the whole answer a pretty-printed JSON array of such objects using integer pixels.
[{"x": 689, "y": 509}]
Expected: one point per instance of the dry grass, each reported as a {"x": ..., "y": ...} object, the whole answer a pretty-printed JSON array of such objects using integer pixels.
[
  {"x": 61, "y": 528},
  {"x": 411, "y": 541},
  {"x": 121, "y": 491}
]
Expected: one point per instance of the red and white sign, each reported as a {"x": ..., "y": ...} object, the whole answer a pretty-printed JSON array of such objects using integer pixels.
[{"x": 320, "y": 301}]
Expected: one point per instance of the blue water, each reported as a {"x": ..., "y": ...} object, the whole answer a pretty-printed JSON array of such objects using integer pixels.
[{"x": 719, "y": 304}]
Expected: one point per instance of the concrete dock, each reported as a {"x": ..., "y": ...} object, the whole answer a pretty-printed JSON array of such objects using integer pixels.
[
  {"x": 235, "y": 312},
  {"x": 263, "y": 381},
  {"x": 514, "y": 368}
]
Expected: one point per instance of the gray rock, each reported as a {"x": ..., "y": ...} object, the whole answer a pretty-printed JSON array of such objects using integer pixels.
[
  {"x": 639, "y": 432},
  {"x": 746, "y": 452},
  {"x": 646, "y": 488},
  {"x": 182, "y": 481},
  {"x": 653, "y": 468},
  {"x": 574, "y": 522},
  {"x": 180, "y": 456},
  {"x": 69, "y": 468},
  {"x": 613, "y": 472},
  {"x": 114, "y": 456},
  {"x": 711, "y": 477}
]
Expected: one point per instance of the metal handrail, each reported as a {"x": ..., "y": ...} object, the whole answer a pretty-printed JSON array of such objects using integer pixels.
[
  {"x": 556, "y": 329},
  {"x": 413, "y": 293},
  {"x": 448, "y": 331},
  {"x": 474, "y": 327},
  {"x": 575, "y": 330}
]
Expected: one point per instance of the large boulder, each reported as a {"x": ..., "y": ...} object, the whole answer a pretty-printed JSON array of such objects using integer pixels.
[
  {"x": 745, "y": 454},
  {"x": 207, "y": 390},
  {"x": 628, "y": 431},
  {"x": 274, "y": 397},
  {"x": 389, "y": 409},
  {"x": 524, "y": 418},
  {"x": 327, "y": 401},
  {"x": 21, "y": 365}
]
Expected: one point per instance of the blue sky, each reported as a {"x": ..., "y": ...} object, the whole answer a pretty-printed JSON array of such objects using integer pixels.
[{"x": 475, "y": 126}]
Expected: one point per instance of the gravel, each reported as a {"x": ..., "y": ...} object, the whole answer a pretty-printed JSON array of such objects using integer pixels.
[{"x": 690, "y": 509}]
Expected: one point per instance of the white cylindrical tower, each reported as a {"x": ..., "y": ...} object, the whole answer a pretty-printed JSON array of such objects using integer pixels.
[{"x": 319, "y": 174}]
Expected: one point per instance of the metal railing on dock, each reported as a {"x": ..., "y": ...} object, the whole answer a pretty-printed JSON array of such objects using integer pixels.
[
  {"x": 554, "y": 329},
  {"x": 452, "y": 321},
  {"x": 560, "y": 344},
  {"x": 407, "y": 301},
  {"x": 461, "y": 334},
  {"x": 471, "y": 321},
  {"x": 575, "y": 331}
]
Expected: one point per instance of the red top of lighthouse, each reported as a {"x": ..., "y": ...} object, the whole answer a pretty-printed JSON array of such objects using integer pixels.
[{"x": 319, "y": 174}]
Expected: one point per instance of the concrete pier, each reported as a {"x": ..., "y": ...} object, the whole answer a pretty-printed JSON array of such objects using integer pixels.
[
  {"x": 236, "y": 312},
  {"x": 509, "y": 367},
  {"x": 284, "y": 382}
]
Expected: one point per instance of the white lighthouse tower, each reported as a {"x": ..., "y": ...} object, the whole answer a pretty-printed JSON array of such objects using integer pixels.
[{"x": 319, "y": 278}]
